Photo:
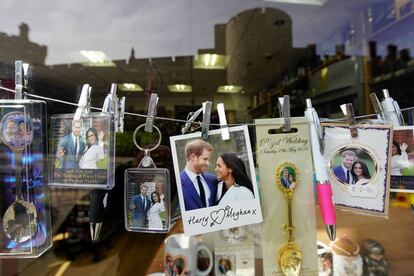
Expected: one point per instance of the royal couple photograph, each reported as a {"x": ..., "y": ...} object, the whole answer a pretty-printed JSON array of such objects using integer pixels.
[
  {"x": 77, "y": 152},
  {"x": 16, "y": 129},
  {"x": 201, "y": 188},
  {"x": 288, "y": 178},
  {"x": 353, "y": 170},
  {"x": 147, "y": 209}
]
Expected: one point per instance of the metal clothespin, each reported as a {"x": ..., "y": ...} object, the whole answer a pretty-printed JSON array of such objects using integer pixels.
[
  {"x": 392, "y": 110},
  {"x": 152, "y": 111},
  {"x": 113, "y": 105},
  {"x": 348, "y": 111},
  {"x": 121, "y": 114},
  {"x": 26, "y": 76},
  {"x": 225, "y": 134},
  {"x": 18, "y": 79},
  {"x": 284, "y": 111},
  {"x": 206, "y": 119},
  {"x": 192, "y": 116},
  {"x": 84, "y": 102},
  {"x": 377, "y": 106}
]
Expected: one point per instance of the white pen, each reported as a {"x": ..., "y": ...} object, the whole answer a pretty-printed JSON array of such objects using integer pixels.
[
  {"x": 391, "y": 110},
  {"x": 323, "y": 185}
]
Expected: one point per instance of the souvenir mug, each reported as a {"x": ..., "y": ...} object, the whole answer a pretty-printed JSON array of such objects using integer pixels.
[{"x": 181, "y": 256}]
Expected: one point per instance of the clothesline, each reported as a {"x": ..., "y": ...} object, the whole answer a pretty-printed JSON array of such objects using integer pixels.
[{"x": 173, "y": 119}]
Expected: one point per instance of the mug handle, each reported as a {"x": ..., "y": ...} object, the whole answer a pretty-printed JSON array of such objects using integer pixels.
[{"x": 210, "y": 256}]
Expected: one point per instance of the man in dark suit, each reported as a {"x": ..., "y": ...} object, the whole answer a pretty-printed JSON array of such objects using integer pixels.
[
  {"x": 343, "y": 171},
  {"x": 199, "y": 187},
  {"x": 285, "y": 178},
  {"x": 140, "y": 204},
  {"x": 71, "y": 147}
]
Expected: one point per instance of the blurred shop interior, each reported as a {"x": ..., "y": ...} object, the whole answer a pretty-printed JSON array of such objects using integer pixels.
[{"x": 242, "y": 53}]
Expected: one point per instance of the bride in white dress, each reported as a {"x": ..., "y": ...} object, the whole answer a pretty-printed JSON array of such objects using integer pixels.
[
  {"x": 235, "y": 185},
  {"x": 157, "y": 207},
  {"x": 399, "y": 159},
  {"x": 94, "y": 150}
]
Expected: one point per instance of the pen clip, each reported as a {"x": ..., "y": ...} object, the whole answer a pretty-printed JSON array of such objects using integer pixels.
[
  {"x": 348, "y": 111},
  {"x": 399, "y": 113},
  {"x": 152, "y": 110},
  {"x": 225, "y": 135},
  {"x": 317, "y": 124},
  {"x": 284, "y": 111},
  {"x": 206, "y": 119}
]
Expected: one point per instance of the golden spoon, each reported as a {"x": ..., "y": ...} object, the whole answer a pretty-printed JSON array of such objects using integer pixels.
[
  {"x": 289, "y": 255},
  {"x": 20, "y": 218}
]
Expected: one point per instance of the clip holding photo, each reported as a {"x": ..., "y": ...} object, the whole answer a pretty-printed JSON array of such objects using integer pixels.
[
  {"x": 284, "y": 111},
  {"x": 151, "y": 113},
  {"x": 206, "y": 119},
  {"x": 18, "y": 79},
  {"x": 84, "y": 102},
  {"x": 225, "y": 134},
  {"x": 348, "y": 111}
]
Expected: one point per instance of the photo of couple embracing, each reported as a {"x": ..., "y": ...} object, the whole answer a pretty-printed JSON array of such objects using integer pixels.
[
  {"x": 213, "y": 176},
  {"x": 201, "y": 189}
]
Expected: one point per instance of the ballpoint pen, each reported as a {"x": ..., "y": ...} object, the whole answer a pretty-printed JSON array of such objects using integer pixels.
[
  {"x": 323, "y": 185},
  {"x": 98, "y": 198},
  {"x": 391, "y": 109}
]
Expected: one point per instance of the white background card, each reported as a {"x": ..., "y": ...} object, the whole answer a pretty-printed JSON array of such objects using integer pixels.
[
  {"x": 359, "y": 167},
  {"x": 237, "y": 207}
]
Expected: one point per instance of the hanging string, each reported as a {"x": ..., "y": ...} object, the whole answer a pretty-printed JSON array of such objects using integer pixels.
[{"x": 173, "y": 119}]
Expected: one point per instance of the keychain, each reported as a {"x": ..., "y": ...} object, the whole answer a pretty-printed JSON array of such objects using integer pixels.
[{"x": 147, "y": 193}]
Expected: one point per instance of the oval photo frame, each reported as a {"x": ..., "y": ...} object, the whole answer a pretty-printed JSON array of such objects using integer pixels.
[
  {"x": 287, "y": 177},
  {"x": 359, "y": 161},
  {"x": 16, "y": 130}
]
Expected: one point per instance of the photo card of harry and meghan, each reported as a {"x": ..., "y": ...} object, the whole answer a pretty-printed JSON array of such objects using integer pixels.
[
  {"x": 402, "y": 160},
  {"x": 82, "y": 151},
  {"x": 359, "y": 167},
  {"x": 216, "y": 181}
]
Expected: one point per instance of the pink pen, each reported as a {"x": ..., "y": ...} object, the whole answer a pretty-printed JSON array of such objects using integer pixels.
[{"x": 323, "y": 186}]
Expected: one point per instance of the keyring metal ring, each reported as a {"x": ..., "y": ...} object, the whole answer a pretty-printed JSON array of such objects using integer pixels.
[{"x": 138, "y": 146}]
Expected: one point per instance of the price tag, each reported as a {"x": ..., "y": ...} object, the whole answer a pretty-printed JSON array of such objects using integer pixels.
[{"x": 368, "y": 191}]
